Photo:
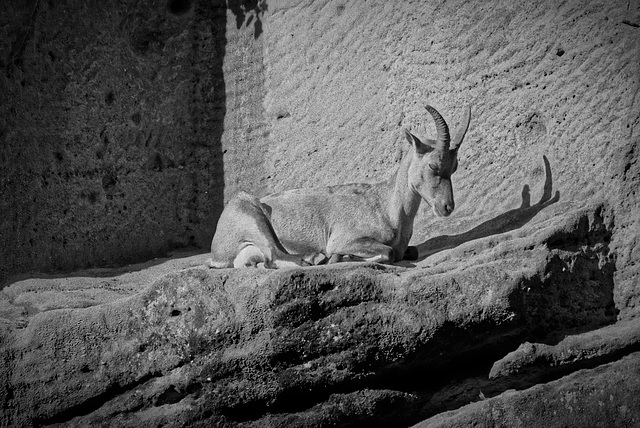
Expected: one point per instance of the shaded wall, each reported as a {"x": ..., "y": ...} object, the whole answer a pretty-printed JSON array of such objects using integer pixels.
[{"x": 114, "y": 124}]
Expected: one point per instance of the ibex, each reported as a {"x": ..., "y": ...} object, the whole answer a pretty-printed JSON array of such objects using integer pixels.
[{"x": 358, "y": 222}]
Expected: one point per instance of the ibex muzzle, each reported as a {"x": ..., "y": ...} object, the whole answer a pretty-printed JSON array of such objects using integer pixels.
[{"x": 370, "y": 222}]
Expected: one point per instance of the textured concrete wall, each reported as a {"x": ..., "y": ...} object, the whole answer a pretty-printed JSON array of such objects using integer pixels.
[{"x": 115, "y": 121}]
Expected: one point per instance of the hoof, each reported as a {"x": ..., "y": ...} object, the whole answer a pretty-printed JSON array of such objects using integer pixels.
[
  {"x": 318, "y": 259},
  {"x": 411, "y": 253},
  {"x": 335, "y": 258}
]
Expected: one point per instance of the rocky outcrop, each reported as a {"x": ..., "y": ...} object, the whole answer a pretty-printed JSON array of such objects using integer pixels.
[
  {"x": 601, "y": 397},
  {"x": 344, "y": 344},
  {"x": 520, "y": 310}
]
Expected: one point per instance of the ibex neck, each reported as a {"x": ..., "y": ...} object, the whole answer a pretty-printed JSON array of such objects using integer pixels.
[{"x": 404, "y": 201}]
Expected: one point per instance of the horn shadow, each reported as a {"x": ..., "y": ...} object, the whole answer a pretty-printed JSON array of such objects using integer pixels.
[{"x": 508, "y": 221}]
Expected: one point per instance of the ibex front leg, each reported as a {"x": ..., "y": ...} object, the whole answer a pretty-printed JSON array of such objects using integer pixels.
[{"x": 363, "y": 250}]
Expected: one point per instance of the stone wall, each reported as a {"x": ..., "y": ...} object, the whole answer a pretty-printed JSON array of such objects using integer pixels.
[{"x": 119, "y": 125}]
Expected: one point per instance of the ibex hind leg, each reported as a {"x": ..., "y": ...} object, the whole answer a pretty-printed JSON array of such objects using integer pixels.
[
  {"x": 254, "y": 256},
  {"x": 245, "y": 238},
  {"x": 243, "y": 235},
  {"x": 264, "y": 245}
]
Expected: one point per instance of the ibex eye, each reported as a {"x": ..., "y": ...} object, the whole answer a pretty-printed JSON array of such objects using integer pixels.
[{"x": 433, "y": 168}]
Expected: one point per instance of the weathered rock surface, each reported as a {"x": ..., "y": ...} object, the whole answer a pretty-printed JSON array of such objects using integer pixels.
[
  {"x": 520, "y": 311},
  {"x": 582, "y": 349},
  {"x": 344, "y": 344},
  {"x": 606, "y": 396}
]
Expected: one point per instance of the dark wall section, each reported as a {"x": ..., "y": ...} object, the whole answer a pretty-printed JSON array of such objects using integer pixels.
[
  {"x": 246, "y": 137},
  {"x": 111, "y": 122}
]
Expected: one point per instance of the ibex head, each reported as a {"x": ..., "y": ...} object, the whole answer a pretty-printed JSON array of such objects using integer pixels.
[{"x": 434, "y": 162}]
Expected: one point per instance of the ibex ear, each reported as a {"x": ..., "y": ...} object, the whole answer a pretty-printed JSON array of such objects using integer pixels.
[{"x": 420, "y": 147}]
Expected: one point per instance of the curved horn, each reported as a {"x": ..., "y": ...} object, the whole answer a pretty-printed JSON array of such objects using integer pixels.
[
  {"x": 441, "y": 127},
  {"x": 457, "y": 140}
]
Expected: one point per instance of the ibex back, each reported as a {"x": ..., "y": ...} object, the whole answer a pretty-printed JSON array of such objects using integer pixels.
[{"x": 370, "y": 222}]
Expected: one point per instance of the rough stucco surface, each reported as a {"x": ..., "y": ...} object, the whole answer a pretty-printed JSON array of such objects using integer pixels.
[
  {"x": 115, "y": 121},
  {"x": 522, "y": 304}
]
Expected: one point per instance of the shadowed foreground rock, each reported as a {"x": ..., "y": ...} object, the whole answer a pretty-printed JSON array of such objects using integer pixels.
[
  {"x": 606, "y": 396},
  {"x": 319, "y": 346}
]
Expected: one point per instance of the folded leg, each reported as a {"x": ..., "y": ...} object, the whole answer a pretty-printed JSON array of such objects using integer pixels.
[{"x": 363, "y": 249}]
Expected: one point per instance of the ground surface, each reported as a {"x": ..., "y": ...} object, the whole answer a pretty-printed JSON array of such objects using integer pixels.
[{"x": 173, "y": 342}]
